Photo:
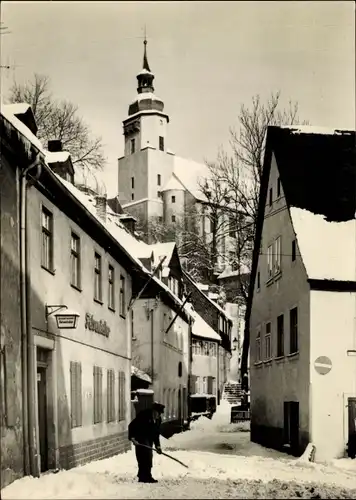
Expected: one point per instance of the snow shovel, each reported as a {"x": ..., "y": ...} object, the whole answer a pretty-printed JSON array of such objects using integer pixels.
[{"x": 165, "y": 454}]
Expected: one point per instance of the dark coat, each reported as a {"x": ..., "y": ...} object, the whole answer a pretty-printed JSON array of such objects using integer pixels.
[{"x": 144, "y": 429}]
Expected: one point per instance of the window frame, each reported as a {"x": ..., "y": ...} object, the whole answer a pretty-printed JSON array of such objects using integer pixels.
[
  {"x": 75, "y": 255},
  {"x": 277, "y": 261},
  {"x": 122, "y": 296},
  {"x": 280, "y": 336},
  {"x": 268, "y": 341},
  {"x": 293, "y": 331},
  {"x": 48, "y": 234},
  {"x": 98, "y": 275},
  {"x": 258, "y": 345},
  {"x": 111, "y": 287}
]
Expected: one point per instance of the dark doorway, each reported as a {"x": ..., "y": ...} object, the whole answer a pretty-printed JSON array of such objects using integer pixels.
[
  {"x": 351, "y": 406},
  {"x": 291, "y": 425},
  {"x": 179, "y": 405},
  {"x": 42, "y": 407}
]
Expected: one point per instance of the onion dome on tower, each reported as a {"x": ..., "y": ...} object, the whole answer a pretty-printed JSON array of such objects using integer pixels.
[{"x": 146, "y": 99}]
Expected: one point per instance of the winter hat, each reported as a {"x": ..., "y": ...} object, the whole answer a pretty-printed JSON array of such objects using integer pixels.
[{"x": 158, "y": 406}]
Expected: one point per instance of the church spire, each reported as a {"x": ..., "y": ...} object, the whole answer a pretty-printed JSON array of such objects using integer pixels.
[
  {"x": 145, "y": 61},
  {"x": 145, "y": 77}
]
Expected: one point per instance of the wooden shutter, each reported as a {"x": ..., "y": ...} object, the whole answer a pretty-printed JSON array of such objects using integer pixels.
[
  {"x": 123, "y": 397},
  {"x": 100, "y": 405},
  {"x": 119, "y": 399},
  {"x": 95, "y": 403},
  {"x": 73, "y": 394},
  {"x": 79, "y": 394}
]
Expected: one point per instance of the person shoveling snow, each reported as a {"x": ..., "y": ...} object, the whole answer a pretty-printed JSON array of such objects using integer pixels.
[{"x": 144, "y": 431}]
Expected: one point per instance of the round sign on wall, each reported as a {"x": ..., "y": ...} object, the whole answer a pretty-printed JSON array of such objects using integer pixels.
[{"x": 322, "y": 365}]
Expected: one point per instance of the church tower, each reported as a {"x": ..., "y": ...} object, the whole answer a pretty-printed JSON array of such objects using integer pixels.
[{"x": 146, "y": 165}]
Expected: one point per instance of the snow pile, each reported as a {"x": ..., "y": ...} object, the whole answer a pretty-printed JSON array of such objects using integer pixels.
[
  {"x": 328, "y": 249},
  {"x": 116, "y": 478}
]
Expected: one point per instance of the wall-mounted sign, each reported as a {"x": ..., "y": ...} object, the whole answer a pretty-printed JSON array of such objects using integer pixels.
[
  {"x": 322, "y": 365},
  {"x": 93, "y": 325}
]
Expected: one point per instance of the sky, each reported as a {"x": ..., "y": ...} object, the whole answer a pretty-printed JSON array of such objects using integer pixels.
[{"x": 209, "y": 59}]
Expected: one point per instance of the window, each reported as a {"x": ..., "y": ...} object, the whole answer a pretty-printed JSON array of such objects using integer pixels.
[
  {"x": 278, "y": 187},
  {"x": 132, "y": 196},
  {"x": 97, "y": 278},
  {"x": 76, "y": 394},
  {"x": 258, "y": 280},
  {"x": 213, "y": 385},
  {"x": 270, "y": 196},
  {"x": 160, "y": 219},
  {"x": 173, "y": 199},
  {"x": 132, "y": 182},
  {"x": 293, "y": 317},
  {"x": 75, "y": 260},
  {"x": 158, "y": 194},
  {"x": 232, "y": 226},
  {"x": 270, "y": 261},
  {"x": 122, "y": 398},
  {"x": 98, "y": 394},
  {"x": 205, "y": 385},
  {"x": 111, "y": 287},
  {"x": 158, "y": 179},
  {"x": 132, "y": 325},
  {"x": 161, "y": 143},
  {"x": 206, "y": 349},
  {"x": 280, "y": 335},
  {"x": 294, "y": 250},
  {"x": 268, "y": 353},
  {"x": 180, "y": 369},
  {"x": 258, "y": 345},
  {"x": 133, "y": 146},
  {"x": 47, "y": 239},
  {"x": 122, "y": 296},
  {"x": 173, "y": 218},
  {"x": 277, "y": 255},
  {"x": 110, "y": 394}
]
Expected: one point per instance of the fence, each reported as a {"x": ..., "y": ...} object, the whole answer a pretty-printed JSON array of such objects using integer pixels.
[{"x": 239, "y": 416}]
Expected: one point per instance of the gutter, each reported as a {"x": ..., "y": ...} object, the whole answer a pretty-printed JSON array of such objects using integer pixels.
[{"x": 28, "y": 353}]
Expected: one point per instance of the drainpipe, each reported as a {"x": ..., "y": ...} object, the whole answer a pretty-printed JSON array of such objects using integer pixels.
[{"x": 28, "y": 377}]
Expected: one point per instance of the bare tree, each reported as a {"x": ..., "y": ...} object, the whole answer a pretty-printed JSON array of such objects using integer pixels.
[{"x": 59, "y": 119}]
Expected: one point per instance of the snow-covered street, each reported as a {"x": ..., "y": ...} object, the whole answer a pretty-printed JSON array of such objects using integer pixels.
[{"x": 222, "y": 464}]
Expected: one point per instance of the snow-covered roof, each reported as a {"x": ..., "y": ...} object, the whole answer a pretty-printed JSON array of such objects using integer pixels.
[
  {"x": 57, "y": 156},
  {"x": 192, "y": 175},
  {"x": 146, "y": 95},
  {"x": 200, "y": 327},
  {"x": 133, "y": 203},
  {"x": 215, "y": 304},
  {"x": 173, "y": 184},
  {"x": 328, "y": 249},
  {"x": 140, "y": 374},
  {"x": 163, "y": 249},
  {"x": 17, "y": 108},
  {"x": 311, "y": 129},
  {"x": 27, "y": 136}
]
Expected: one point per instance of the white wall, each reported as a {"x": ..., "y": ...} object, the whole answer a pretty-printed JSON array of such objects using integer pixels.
[{"x": 333, "y": 332}]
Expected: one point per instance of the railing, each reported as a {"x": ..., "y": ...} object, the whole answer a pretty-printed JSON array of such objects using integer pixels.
[{"x": 239, "y": 416}]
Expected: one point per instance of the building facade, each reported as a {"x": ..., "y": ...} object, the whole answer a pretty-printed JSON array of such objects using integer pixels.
[
  {"x": 303, "y": 292},
  {"x": 65, "y": 392}
]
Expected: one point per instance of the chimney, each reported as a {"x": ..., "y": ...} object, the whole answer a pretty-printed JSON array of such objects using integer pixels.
[
  {"x": 101, "y": 207},
  {"x": 54, "y": 146}
]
